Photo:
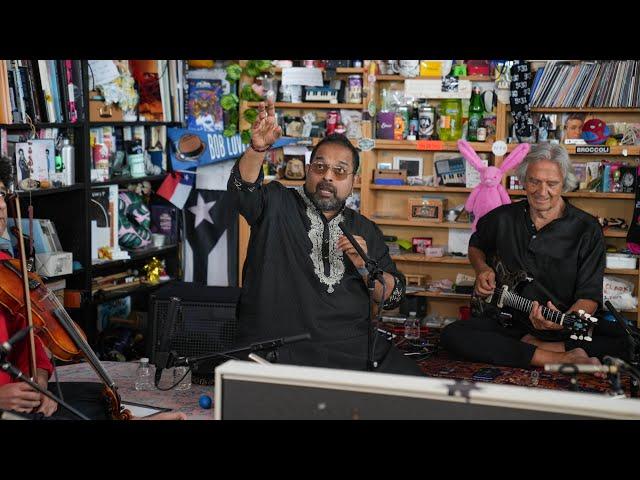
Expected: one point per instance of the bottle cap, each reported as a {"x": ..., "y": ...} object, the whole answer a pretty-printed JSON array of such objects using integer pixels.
[
  {"x": 65, "y": 141},
  {"x": 144, "y": 360}
]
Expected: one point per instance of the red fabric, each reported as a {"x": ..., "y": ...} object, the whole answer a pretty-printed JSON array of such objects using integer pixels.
[{"x": 19, "y": 356}]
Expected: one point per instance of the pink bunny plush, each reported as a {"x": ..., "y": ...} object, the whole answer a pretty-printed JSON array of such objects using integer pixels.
[{"x": 490, "y": 193}]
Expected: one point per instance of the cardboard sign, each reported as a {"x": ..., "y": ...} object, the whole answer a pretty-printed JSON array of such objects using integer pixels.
[{"x": 430, "y": 145}]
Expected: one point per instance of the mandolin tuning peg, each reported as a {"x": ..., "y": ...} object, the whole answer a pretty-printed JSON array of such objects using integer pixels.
[
  {"x": 587, "y": 315},
  {"x": 580, "y": 312},
  {"x": 588, "y": 339},
  {"x": 594, "y": 319},
  {"x": 573, "y": 337},
  {"x": 580, "y": 337}
]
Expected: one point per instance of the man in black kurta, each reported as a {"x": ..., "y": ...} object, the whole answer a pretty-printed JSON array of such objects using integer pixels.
[{"x": 299, "y": 275}]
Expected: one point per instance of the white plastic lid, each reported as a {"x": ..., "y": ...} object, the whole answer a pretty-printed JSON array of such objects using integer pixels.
[
  {"x": 144, "y": 360},
  {"x": 412, "y": 314},
  {"x": 66, "y": 142}
]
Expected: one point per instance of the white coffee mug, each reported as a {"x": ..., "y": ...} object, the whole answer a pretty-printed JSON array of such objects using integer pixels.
[{"x": 407, "y": 68}]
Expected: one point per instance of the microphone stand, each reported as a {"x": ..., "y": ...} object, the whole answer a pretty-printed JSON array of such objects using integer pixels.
[
  {"x": 375, "y": 273},
  {"x": 634, "y": 341},
  {"x": 17, "y": 374}
]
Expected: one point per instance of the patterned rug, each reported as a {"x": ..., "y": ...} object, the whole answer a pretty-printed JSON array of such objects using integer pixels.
[{"x": 442, "y": 364}]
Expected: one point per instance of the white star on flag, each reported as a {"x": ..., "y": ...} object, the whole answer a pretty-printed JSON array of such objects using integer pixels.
[{"x": 201, "y": 211}]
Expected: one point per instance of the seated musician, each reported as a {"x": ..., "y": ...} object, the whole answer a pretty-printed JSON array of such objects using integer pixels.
[
  {"x": 562, "y": 248},
  {"x": 301, "y": 274},
  {"x": 18, "y": 396}
]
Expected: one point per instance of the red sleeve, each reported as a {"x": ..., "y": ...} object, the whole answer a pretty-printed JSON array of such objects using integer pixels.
[{"x": 19, "y": 355}]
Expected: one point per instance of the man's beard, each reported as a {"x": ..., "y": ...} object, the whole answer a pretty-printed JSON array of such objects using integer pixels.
[{"x": 326, "y": 204}]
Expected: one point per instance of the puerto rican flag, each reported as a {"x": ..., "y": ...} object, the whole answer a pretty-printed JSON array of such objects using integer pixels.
[{"x": 177, "y": 187}]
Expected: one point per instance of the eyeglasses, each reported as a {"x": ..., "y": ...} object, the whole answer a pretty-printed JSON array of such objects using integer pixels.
[{"x": 339, "y": 172}]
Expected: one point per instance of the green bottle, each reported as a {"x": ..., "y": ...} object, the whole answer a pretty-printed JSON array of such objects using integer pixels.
[{"x": 476, "y": 109}]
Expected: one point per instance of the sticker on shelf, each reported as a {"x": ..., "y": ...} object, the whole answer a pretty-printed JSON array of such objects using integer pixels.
[
  {"x": 499, "y": 148},
  {"x": 430, "y": 145},
  {"x": 366, "y": 144},
  {"x": 593, "y": 149}
]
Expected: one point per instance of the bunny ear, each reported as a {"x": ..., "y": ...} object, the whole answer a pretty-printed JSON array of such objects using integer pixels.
[
  {"x": 471, "y": 155},
  {"x": 515, "y": 158}
]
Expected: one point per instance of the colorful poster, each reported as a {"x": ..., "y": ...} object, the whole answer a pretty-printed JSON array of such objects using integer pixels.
[{"x": 204, "y": 112}]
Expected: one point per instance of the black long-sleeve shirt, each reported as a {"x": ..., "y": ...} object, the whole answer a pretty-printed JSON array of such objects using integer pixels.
[
  {"x": 566, "y": 258},
  {"x": 295, "y": 280}
]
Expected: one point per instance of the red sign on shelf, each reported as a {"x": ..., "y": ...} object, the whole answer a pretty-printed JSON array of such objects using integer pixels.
[{"x": 430, "y": 145}]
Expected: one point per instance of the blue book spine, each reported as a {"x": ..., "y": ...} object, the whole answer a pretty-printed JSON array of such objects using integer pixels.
[
  {"x": 388, "y": 181},
  {"x": 53, "y": 81}
]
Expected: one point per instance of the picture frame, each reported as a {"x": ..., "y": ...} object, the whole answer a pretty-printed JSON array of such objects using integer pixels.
[{"x": 413, "y": 165}]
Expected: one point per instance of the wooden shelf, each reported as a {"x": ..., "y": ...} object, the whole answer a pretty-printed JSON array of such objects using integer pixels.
[
  {"x": 296, "y": 183},
  {"x": 419, "y": 188},
  {"x": 351, "y": 70},
  {"x": 615, "y": 233},
  {"x": 448, "y": 296},
  {"x": 421, "y": 258},
  {"x": 581, "y": 109},
  {"x": 135, "y": 255},
  {"x": 408, "y": 223},
  {"x": 622, "y": 271},
  {"x": 602, "y": 195},
  {"x": 101, "y": 297},
  {"x": 49, "y": 191},
  {"x": 400, "y": 78},
  {"x": 586, "y": 109},
  {"x": 123, "y": 181},
  {"x": 413, "y": 145},
  {"x": 315, "y": 105},
  {"x": 286, "y": 183},
  {"x": 615, "y": 150}
]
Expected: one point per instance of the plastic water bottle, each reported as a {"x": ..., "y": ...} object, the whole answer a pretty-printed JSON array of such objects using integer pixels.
[
  {"x": 143, "y": 376},
  {"x": 412, "y": 327},
  {"x": 182, "y": 378}
]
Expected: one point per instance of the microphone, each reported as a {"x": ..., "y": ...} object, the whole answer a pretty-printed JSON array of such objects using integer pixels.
[
  {"x": 619, "y": 319},
  {"x": 278, "y": 342},
  {"x": 163, "y": 357},
  {"x": 7, "y": 346},
  {"x": 254, "y": 347},
  {"x": 581, "y": 368}
]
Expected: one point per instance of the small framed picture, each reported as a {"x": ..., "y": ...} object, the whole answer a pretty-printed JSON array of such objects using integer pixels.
[
  {"x": 413, "y": 165},
  {"x": 385, "y": 166},
  {"x": 420, "y": 244}
]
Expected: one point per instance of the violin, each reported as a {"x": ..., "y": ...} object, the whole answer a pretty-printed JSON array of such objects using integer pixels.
[{"x": 52, "y": 324}]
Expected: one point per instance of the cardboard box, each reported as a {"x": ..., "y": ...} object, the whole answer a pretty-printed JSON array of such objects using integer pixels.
[
  {"x": 54, "y": 264},
  {"x": 100, "y": 112},
  {"x": 427, "y": 209},
  {"x": 384, "y": 176}
]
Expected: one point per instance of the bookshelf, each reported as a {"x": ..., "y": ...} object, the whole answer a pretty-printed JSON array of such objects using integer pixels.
[
  {"x": 386, "y": 205},
  {"x": 68, "y": 208}
]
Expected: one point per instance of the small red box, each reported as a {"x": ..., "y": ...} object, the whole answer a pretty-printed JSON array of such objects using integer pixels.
[{"x": 420, "y": 244}]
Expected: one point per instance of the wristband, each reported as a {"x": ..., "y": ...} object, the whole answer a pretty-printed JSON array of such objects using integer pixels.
[{"x": 258, "y": 150}]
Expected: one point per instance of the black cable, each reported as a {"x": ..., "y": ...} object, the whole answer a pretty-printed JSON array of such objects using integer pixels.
[
  {"x": 187, "y": 373},
  {"x": 55, "y": 376}
]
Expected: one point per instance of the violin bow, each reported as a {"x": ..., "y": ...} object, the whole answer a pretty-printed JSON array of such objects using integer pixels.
[{"x": 27, "y": 297}]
